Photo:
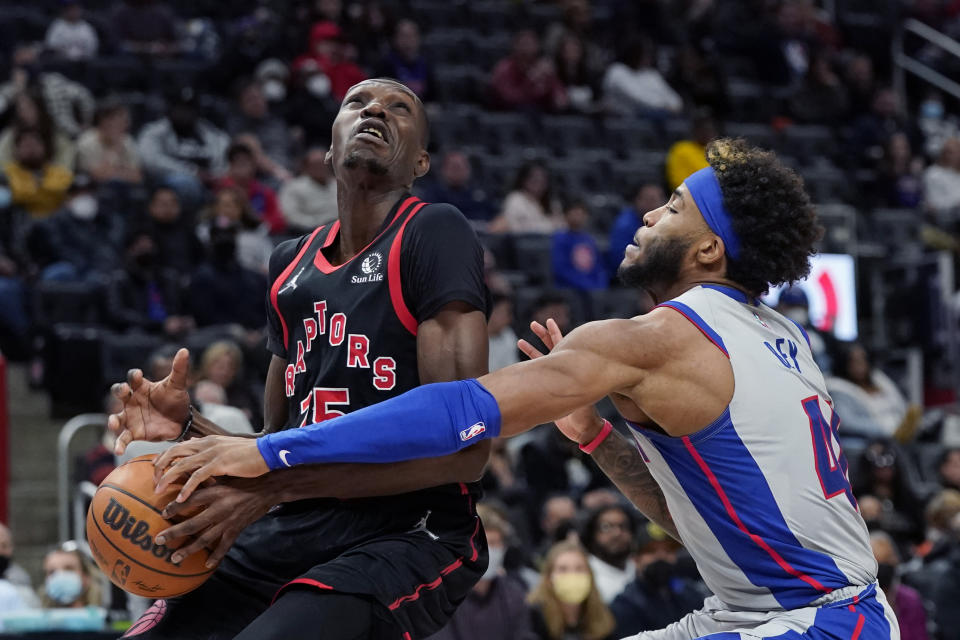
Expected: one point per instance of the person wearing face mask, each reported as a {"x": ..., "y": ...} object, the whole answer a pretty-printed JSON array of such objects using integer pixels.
[
  {"x": 70, "y": 582},
  {"x": 222, "y": 291},
  {"x": 145, "y": 296},
  {"x": 906, "y": 602},
  {"x": 567, "y": 603},
  {"x": 793, "y": 303},
  {"x": 495, "y": 608},
  {"x": 79, "y": 242},
  {"x": 253, "y": 113},
  {"x": 935, "y": 124},
  {"x": 661, "y": 594},
  {"x": 608, "y": 536}
]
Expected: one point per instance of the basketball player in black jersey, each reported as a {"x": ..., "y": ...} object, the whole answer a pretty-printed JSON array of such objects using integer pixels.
[{"x": 388, "y": 297}]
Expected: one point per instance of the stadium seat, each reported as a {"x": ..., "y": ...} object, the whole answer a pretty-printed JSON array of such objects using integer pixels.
[
  {"x": 461, "y": 83},
  {"x": 452, "y": 46},
  {"x": 72, "y": 369},
  {"x": 77, "y": 303},
  {"x": 566, "y": 135},
  {"x": 749, "y": 100},
  {"x": 503, "y": 130},
  {"x": 897, "y": 230},
  {"x": 624, "y": 135},
  {"x": 762, "y": 135},
  {"x": 122, "y": 352},
  {"x": 434, "y": 15},
  {"x": 452, "y": 127},
  {"x": 618, "y": 303},
  {"x": 531, "y": 253},
  {"x": 840, "y": 224},
  {"x": 809, "y": 142},
  {"x": 827, "y": 184},
  {"x": 119, "y": 73}
]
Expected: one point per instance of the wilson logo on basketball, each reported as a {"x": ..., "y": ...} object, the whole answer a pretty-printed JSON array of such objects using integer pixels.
[{"x": 118, "y": 518}]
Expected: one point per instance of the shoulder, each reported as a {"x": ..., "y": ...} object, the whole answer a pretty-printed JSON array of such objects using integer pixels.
[
  {"x": 441, "y": 219},
  {"x": 284, "y": 253}
]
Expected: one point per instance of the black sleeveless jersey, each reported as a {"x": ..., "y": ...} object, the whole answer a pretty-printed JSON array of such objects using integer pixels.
[{"x": 349, "y": 332}]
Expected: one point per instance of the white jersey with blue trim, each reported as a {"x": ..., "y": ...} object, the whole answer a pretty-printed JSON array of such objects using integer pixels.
[{"x": 761, "y": 496}]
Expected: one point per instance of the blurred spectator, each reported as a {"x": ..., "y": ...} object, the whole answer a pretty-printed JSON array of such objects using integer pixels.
[
  {"x": 937, "y": 127},
  {"x": 821, "y": 98},
  {"x": 906, "y": 602},
  {"x": 69, "y": 103},
  {"x": 327, "y": 54},
  {"x": 578, "y": 79},
  {"x": 525, "y": 79},
  {"x": 568, "y": 605},
  {"x": 310, "y": 199},
  {"x": 405, "y": 61},
  {"x": 660, "y": 595},
  {"x": 12, "y": 572},
  {"x": 222, "y": 364},
  {"x": 868, "y": 400},
  {"x": 860, "y": 83},
  {"x": 107, "y": 152},
  {"x": 699, "y": 80},
  {"x": 145, "y": 26},
  {"x": 529, "y": 207},
  {"x": 884, "y": 474},
  {"x": 182, "y": 150},
  {"x": 71, "y": 581},
  {"x": 252, "y": 114},
  {"x": 30, "y": 112},
  {"x": 634, "y": 86},
  {"x": 69, "y": 35},
  {"x": 364, "y": 22},
  {"x": 143, "y": 296},
  {"x": 231, "y": 208},
  {"x": 495, "y": 607},
  {"x": 172, "y": 231},
  {"x": 98, "y": 461},
  {"x": 212, "y": 399},
  {"x": 577, "y": 263},
  {"x": 939, "y": 515},
  {"x": 14, "y": 320},
  {"x": 941, "y": 181},
  {"x": 793, "y": 303},
  {"x": 82, "y": 241},
  {"x": 503, "y": 340},
  {"x": 223, "y": 292},
  {"x": 647, "y": 197},
  {"x": 949, "y": 469},
  {"x": 577, "y": 21},
  {"x": 35, "y": 183},
  {"x": 273, "y": 75},
  {"x": 688, "y": 156},
  {"x": 457, "y": 187},
  {"x": 160, "y": 362},
  {"x": 900, "y": 179},
  {"x": 871, "y": 129},
  {"x": 608, "y": 536},
  {"x": 557, "y": 520},
  {"x": 273, "y": 173},
  {"x": 242, "y": 175}
]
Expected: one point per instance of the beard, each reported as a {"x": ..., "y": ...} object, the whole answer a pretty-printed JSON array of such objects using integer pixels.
[
  {"x": 659, "y": 268},
  {"x": 374, "y": 166}
]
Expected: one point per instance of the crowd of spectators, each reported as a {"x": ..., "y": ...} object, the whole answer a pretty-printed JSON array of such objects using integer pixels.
[{"x": 162, "y": 191}]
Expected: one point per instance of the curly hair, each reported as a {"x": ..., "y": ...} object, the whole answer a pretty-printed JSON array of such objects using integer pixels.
[{"x": 771, "y": 214}]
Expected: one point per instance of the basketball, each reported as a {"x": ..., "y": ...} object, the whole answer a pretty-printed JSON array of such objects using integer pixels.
[{"x": 122, "y": 521}]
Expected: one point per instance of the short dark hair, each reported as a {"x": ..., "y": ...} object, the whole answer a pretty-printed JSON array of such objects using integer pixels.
[
  {"x": 238, "y": 149},
  {"x": 771, "y": 213},
  {"x": 108, "y": 107},
  {"x": 593, "y": 521}
]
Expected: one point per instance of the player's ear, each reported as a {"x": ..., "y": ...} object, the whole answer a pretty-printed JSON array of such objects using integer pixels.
[
  {"x": 422, "y": 165},
  {"x": 710, "y": 250}
]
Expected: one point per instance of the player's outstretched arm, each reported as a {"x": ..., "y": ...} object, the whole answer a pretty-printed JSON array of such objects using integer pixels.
[{"x": 618, "y": 457}]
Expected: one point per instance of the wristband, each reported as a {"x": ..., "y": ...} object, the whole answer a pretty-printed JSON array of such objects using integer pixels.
[
  {"x": 187, "y": 424},
  {"x": 593, "y": 444}
]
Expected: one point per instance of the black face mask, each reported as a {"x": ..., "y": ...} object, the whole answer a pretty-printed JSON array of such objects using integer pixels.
[
  {"x": 885, "y": 575},
  {"x": 223, "y": 251},
  {"x": 658, "y": 574},
  {"x": 4, "y": 564}
]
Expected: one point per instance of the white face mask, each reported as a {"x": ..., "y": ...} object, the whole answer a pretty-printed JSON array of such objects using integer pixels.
[
  {"x": 318, "y": 85},
  {"x": 84, "y": 207},
  {"x": 495, "y": 564},
  {"x": 274, "y": 90}
]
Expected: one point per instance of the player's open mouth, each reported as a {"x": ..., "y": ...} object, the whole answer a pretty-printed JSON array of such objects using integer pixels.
[{"x": 373, "y": 131}]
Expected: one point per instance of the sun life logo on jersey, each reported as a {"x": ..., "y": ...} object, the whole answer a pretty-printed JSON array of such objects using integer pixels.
[{"x": 370, "y": 266}]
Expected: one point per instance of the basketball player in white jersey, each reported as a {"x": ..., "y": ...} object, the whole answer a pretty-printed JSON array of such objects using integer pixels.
[{"x": 734, "y": 442}]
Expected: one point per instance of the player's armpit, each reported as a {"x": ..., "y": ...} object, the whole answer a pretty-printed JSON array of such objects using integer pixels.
[{"x": 621, "y": 461}]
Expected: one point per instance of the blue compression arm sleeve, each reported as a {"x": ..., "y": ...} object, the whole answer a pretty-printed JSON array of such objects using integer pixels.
[{"x": 429, "y": 421}]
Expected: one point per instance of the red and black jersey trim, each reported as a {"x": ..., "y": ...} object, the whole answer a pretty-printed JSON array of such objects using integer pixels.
[{"x": 278, "y": 283}]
